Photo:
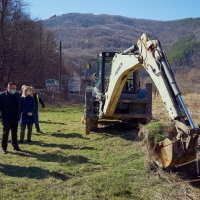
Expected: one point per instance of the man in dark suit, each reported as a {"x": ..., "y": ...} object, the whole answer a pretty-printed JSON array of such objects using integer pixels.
[{"x": 10, "y": 102}]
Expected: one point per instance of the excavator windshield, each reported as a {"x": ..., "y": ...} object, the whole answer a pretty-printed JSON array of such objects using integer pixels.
[
  {"x": 104, "y": 65},
  {"x": 98, "y": 73},
  {"x": 103, "y": 72},
  {"x": 108, "y": 66}
]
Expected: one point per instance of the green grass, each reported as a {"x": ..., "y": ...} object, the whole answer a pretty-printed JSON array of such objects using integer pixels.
[
  {"x": 155, "y": 133},
  {"x": 64, "y": 163}
]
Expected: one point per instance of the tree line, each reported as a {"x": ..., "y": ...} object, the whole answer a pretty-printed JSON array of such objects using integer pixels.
[{"x": 29, "y": 53}]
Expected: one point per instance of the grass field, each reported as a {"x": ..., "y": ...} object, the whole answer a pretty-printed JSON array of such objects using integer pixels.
[{"x": 64, "y": 163}]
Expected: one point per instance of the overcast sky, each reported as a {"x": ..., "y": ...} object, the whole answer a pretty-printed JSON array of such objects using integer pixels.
[{"x": 146, "y": 9}]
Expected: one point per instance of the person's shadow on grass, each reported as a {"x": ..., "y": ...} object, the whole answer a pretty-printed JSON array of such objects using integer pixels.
[
  {"x": 31, "y": 172},
  {"x": 52, "y": 145},
  {"x": 69, "y": 135},
  {"x": 50, "y": 122},
  {"x": 61, "y": 146},
  {"x": 56, "y": 156}
]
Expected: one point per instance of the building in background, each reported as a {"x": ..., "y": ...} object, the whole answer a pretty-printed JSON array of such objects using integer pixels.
[
  {"x": 72, "y": 84},
  {"x": 52, "y": 84}
]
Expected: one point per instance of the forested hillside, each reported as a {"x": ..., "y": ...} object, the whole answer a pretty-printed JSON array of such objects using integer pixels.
[
  {"x": 84, "y": 35},
  {"x": 29, "y": 51},
  {"x": 180, "y": 51}
]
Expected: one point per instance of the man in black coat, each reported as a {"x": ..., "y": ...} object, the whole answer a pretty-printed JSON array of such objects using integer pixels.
[{"x": 10, "y": 102}]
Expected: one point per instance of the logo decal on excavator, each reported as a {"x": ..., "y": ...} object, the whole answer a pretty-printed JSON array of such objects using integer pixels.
[{"x": 117, "y": 71}]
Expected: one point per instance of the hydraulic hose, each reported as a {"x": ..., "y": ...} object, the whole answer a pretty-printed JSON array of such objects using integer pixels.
[
  {"x": 170, "y": 78},
  {"x": 176, "y": 90}
]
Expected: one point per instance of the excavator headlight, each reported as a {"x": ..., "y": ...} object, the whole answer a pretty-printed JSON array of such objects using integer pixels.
[{"x": 107, "y": 54}]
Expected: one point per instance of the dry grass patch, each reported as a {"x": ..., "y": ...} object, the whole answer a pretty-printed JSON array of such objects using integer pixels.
[{"x": 56, "y": 151}]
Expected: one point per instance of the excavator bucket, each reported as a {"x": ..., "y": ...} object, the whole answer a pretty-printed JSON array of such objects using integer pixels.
[{"x": 172, "y": 153}]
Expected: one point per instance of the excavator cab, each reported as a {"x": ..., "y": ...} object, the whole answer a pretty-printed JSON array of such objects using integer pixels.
[
  {"x": 134, "y": 103},
  {"x": 99, "y": 70}
]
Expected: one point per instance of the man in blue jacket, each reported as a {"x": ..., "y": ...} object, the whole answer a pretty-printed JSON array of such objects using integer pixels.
[{"x": 10, "y": 102}]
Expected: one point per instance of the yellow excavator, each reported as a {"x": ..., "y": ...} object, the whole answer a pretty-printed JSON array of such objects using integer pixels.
[{"x": 114, "y": 91}]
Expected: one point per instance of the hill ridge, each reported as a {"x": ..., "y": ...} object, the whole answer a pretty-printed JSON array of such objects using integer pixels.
[{"x": 84, "y": 35}]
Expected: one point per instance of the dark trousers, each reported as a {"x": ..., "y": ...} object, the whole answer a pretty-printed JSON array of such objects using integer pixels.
[
  {"x": 37, "y": 126},
  {"x": 13, "y": 125},
  {"x": 23, "y": 128}
]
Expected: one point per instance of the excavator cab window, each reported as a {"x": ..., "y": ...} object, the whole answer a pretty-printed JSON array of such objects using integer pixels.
[
  {"x": 132, "y": 84},
  {"x": 90, "y": 73},
  {"x": 98, "y": 73},
  {"x": 107, "y": 71},
  {"x": 128, "y": 86},
  {"x": 103, "y": 73},
  {"x": 104, "y": 64}
]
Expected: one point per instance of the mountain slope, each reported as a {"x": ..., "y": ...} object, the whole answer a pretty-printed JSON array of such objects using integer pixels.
[{"x": 84, "y": 35}]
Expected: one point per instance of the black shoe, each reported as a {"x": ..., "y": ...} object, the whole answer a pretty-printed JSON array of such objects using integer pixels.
[
  {"x": 21, "y": 141},
  {"x": 17, "y": 149},
  {"x": 4, "y": 151},
  {"x": 29, "y": 141},
  {"x": 40, "y": 132}
]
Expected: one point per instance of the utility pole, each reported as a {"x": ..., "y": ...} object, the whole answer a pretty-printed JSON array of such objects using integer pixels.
[{"x": 60, "y": 68}]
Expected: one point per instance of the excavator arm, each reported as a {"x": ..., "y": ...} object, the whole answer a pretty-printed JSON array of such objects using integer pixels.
[{"x": 149, "y": 54}]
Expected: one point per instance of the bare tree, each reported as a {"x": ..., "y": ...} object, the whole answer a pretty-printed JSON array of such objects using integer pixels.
[{"x": 27, "y": 49}]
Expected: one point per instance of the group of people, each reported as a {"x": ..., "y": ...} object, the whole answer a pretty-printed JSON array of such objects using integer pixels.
[{"x": 19, "y": 108}]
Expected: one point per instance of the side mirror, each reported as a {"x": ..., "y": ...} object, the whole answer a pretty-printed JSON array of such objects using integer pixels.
[{"x": 88, "y": 65}]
